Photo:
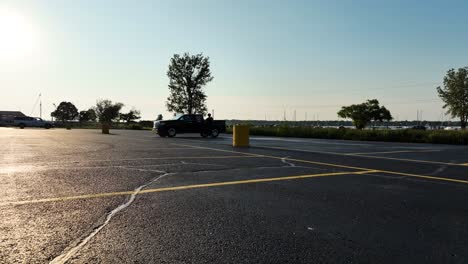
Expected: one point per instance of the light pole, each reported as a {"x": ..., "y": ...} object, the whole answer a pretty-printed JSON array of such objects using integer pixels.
[{"x": 55, "y": 107}]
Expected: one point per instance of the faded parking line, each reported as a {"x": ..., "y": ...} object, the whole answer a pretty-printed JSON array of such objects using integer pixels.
[
  {"x": 393, "y": 152},
  {"x": 59, "y": 163},
  {"x": 350, "y": 167}
]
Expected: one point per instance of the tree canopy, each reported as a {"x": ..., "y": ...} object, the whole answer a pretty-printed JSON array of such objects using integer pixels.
[
  {"x": 65, "y": 111},
  {"x": 455, "y": 94},
  {"x": 87, "y": 115},
  {"x": 187, "y": 76},
  {"x": 363, "y": 114},
  {"x": 130, "y": 116},
  {"x": 107, "y": 111}
]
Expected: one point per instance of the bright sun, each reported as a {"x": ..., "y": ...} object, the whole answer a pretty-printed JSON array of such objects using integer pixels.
[{"x": 18, "y": 38}]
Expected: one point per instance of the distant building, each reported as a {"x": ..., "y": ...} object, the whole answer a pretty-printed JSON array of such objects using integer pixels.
[{"x": 7, "y": 117}]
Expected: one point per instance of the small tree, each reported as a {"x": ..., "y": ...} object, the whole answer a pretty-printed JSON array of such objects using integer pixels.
[
  {"x": 65, "y": 111},
  {"x": 455, "y": 94},
  {"x": 187, "y": 76},
  {"x": 377, "y": 112},
  {"x": 363, "y": 114},
  {"x": 87, "y": 115},
  {"x": 130, "y": 116},
  {"x": 160, "y": 117},
  {"x": 107, "y": 111}
]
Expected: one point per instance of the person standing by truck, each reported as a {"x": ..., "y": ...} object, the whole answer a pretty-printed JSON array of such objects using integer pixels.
[
  {"x": 208, "y": 126},
  {"x": 209, "y": 120}
]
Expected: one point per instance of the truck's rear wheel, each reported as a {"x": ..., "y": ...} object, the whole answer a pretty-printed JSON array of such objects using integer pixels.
[
  {"x": 214, "y": 133},
  {"x": 205, "y": 133},
  {"x": 171, "y": 132}
]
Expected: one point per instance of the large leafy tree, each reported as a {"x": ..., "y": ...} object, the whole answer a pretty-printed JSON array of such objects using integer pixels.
[
  {"x": 363, "y": 114},
  {"x": 87, "y": 115},
  {"x": 455, "y": 94},
  {"x": 107, "y": 111},
  {"x": 65, "y": 111},
  {"x": 130, "y": 116},
  {"x": 187, "y": 76}
]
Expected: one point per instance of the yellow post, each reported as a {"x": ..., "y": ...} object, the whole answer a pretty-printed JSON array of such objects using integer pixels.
[{"x": 240, "y": 136}]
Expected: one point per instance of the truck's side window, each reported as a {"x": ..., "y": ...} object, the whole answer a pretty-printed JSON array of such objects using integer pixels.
[
  {"x": 198, "y": 119},
  {"x": 185, "y": 118}
]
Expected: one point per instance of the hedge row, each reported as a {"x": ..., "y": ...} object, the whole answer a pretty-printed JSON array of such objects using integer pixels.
[
  {"x": 96, "y": 125},
  {"x": 457, "y": 137}
]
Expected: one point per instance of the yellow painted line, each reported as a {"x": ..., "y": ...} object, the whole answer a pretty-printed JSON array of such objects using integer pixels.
[
  {"x": 185, "y": 187},
  {"x": 303, "y": 150},
  {"x": 372, "y": 157},
  {"x": 464, "y": 164},
  {"x": 359, "y": 155},
  {"x": 425, "y": 176},
  {"x": 396, "y": 151},
  {"x": 350, "y": 167},
  {"x": 365, "y": 156},
  {"x": 393, "y": 172},
  {"x": 158, "y": 148},
  {"x": 409, "y": 160},
  {"x": 273, "y": 157}
]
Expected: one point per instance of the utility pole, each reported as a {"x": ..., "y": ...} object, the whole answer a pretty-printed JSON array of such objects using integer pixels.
[
  {"x": 294, "y": 115},
  {"x": 419, "y": 116},
  {"x": 55, "y": 107},
  {"x": 40, "y": 106}
]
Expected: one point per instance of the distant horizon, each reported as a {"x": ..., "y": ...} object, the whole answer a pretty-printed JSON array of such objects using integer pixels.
[
  {"x": 266, "y": 57},
  {"x": 452, "y": 120}
]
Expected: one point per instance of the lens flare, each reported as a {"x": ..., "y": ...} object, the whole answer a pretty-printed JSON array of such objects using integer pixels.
[{"x": 18, "y": 38}]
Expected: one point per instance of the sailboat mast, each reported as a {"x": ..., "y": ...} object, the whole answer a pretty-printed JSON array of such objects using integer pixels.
[{"x": 40, "y": 106}]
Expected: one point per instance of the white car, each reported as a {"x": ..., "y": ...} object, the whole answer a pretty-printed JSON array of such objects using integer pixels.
[{"x": 26, "y": 121}]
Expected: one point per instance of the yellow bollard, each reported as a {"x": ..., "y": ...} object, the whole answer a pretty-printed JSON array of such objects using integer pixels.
[{"x": 240, "y": 136}]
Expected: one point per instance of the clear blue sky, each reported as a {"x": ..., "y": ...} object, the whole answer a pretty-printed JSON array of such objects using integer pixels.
[{"x": 267, "y": 56}]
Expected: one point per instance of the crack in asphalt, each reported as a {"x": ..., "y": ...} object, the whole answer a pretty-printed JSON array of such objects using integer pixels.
[
  {"x": 441, "y": 169},
  {"x": 64, "y": 257},
  {"x": 289, "y": 164}
]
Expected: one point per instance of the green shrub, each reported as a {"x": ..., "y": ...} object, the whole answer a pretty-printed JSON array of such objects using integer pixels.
[
  {"x": 135, "y": 127},
  {"x": 404, "y": 135}
]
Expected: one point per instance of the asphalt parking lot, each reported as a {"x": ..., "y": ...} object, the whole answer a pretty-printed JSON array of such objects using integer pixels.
[{"x": 131, "y": 197}]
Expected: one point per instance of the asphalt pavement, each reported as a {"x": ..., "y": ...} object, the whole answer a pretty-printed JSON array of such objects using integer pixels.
[{"x": 77, "y": 196}]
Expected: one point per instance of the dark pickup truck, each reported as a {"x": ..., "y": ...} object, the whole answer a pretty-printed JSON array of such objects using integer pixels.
[{"x": 189, "y": 124}]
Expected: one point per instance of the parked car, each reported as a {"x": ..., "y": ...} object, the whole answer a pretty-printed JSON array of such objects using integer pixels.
[
  {"x": 189, "y": 124},
  {"x": 27, "y": 121},
  {"x": 419, "y": 127}
]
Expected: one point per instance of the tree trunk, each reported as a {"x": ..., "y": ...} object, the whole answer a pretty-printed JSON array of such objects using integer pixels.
[
  {"x": 190, "y": 100},
  {"x": 105, "y": 128}
]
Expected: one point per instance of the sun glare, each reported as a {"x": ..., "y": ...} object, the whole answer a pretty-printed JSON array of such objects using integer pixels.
[{"x": 18, "y": 38}]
